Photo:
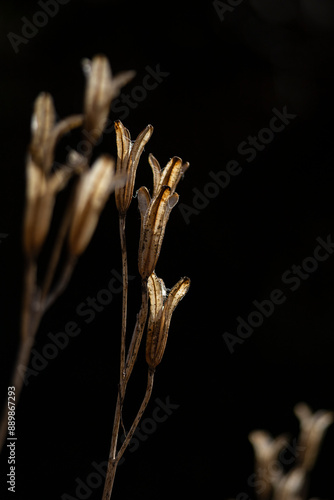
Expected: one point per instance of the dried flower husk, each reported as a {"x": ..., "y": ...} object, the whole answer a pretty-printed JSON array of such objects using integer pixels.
[
  {"x": 168, "y": 176},
  {"x": 93, "y": 190},
  {"x": 42, "y": 185},
  {"x": 160, "y": 315},
  {"x": 266, "y": 450},
  {"x": 155, "y": 211},
  {"x": 153, "y": 226},
  {"x": 128, "y": 156},
  {"x": 38, "y": 212},
  {"x": 102, "y": 87},
  {"x": 42, "y": 124},
  {"x": 46, "y": 132},
  {"x": 312, "y": 430}
]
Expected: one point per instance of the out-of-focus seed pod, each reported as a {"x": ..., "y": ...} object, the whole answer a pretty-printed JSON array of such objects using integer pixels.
[
  {"x": 102, "y": 87},
  {"x": 40, "y": 200},
  {"x": 42, "y": 123},
  {"x": 312, "y": 430},
  {"x": 93, "y": 190}
]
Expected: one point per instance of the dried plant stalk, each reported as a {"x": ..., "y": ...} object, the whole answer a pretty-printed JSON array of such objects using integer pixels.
[
  {"x": 154, "y": 212},
  {"x": 90, "y": 189}
]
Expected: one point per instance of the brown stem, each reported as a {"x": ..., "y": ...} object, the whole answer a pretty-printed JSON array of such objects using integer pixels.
[
  {"x": 62, "y": 283},
  {"x": 17, "y": 380},
  {"x": 137, "y": 334},
  {"x": 58, "y": 246},
  {"x": 30, "y": 307},
  {"x": 132, "y": 355},
  {"x": 35, "y": 302},
  {"x": 120, "y": 397},
  {"x": 29, "y": 301},
  {"x": 113, "y": 461},
  {"x": 122, "y": 219}
]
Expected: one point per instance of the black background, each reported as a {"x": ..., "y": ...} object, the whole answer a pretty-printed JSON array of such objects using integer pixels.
[{"x": 224, "y": 79}]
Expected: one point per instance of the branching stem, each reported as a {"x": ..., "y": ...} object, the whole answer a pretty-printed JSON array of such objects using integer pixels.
[{"x": 113, "y": 461}]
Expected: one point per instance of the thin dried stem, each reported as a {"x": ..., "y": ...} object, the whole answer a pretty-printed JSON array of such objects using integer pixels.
[
  {"x": 22, "y": 361},
  {"x": 122, "y": 221},
  {"x": 27, "y": 334},
  {"x": 61, "y": 284},
  {"x": 113, "y": 461},
  {"x": 149, "y": 387},
  {"x": 35, "y": 302},
  {"x": 137, "y": 334},
  {"x": 132, "y": 354},
  {"x": 58, "y": 246}
]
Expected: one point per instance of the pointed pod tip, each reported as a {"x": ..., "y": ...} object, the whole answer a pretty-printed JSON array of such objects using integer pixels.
[
  {"x": 185, "y": 167},
  {"x": 185, "y": 281},
  {"x": 153, "y": 161}
]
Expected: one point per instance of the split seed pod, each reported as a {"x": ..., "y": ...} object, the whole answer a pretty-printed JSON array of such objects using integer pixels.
[
  {"x": 154, "y": 216},
  {"x": 160, "y": 315},
  {"x": 155, "y": 211},
  {"x": 128, "y": 155},
  {"x": 168, "y": 176}
]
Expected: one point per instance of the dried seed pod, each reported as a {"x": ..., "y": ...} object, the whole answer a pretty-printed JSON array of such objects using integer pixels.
[
  {"x": 101, "y": 88},
  {"x": 153, "y": 229},
  {"x": 312, "y": 430},
  {"x": 292, "y": 485},
  {"x": 94, "y": 188},
  {"x": 128, "y": 155},
  {"x": 40, "y": 199},
  {"x": 46, "y": 132},
  {"x": 155, "y": 212},
  {"x": 160, "y": 315},
  {"x": 144, "y": 200},
  {"x": 169, "y": 176},
  {"x": 42, "y": 186},
  {"x": 266, "y": 450},
  {"x": 42, "y": 123}
]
